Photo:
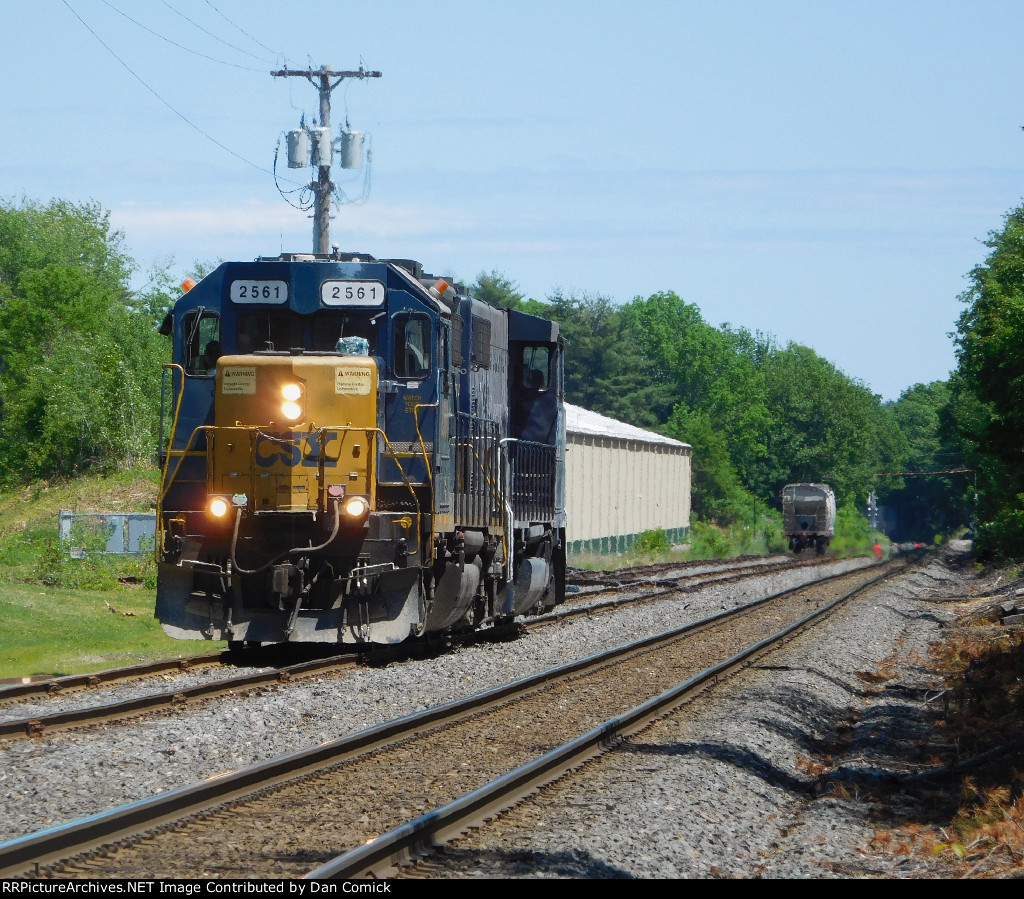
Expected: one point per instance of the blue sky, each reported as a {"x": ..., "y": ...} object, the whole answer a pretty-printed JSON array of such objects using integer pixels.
[{"x": 825, "y": 172}]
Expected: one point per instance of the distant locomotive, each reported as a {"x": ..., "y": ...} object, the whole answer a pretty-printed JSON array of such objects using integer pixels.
[
  {"x": 358, "y": 454},
  {"x": 808, "y": 516}
]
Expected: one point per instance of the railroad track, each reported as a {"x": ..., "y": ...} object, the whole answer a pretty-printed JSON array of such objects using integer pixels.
[
  {"x": 17, "y": 689},
  {"x": 663, "y": 578},
  {"x": 416, "y": 781},
  {"x": 36, "y": 725},
  {"x": 583, "y": 576},
  {"x": 648, "y": 583}
]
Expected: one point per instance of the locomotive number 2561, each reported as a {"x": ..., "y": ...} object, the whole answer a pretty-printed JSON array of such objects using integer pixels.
[
  {"x": 352, "y": 293},
  {"x": 259, "y": 291}
]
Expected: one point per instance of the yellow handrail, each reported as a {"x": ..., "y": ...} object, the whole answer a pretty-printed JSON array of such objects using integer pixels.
[{"x": 158, "y": 543}]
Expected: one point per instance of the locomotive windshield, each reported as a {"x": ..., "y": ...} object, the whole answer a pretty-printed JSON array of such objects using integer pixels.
[
  {"x": 808, "y": 496},
  {"x": 268, "y": 330},
  {"x": 329, "y": 327}
]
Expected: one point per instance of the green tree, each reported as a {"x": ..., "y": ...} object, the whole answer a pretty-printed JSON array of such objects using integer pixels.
[
  {"x": 931, "y": 503},
  {"x": 717, "y": 492},
  {"x": 985, "y": 415},
  {"x": 497, "y": 290},
  {"x": 990, "y": 333},
  {"x": 34, "y": 235},
  {"x": 706, "y": 373},
  {"x": 80, "y": 372},
  {"x": 826, "y": 427}
]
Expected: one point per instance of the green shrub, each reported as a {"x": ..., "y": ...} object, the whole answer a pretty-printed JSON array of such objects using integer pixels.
[
  {"x": 1002, "y": 538},
  {"x": 708, "y": 542},
  {"x": 651, "y": 542},
  {"x": 854, "y": 536}
]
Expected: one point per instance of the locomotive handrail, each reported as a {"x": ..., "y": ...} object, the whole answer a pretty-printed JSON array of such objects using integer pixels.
[
  {"x": 495, "y": 490},
  {"x": 509, "y": 472},
  {"x": 426, "y": 464},
  {"x": 406, "y": 481},
  {"x": 158, "y": 542},
  {"x": 510, "y": 519},
  {"x": 368, "y": 431},
  {"x": 419, "y": 436},
  {"x": 165, "y": 486},
  {"x": 469, "y": 444},
  {"x": 534, "y": 458}
]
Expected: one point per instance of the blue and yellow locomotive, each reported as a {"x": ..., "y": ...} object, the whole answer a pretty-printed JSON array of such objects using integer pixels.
[{"x": 357, "y": 453}]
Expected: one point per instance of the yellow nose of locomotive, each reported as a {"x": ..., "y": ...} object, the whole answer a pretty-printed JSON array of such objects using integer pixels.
[{"x": 294, "y": 432}]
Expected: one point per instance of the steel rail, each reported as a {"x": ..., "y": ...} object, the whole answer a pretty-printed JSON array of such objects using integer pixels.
[
  {"x": 68, "y": 840},
  {"x": 421, "y": 836},
  {"x": 36, "y": 725},
  {"x": 18, "y": 687}
]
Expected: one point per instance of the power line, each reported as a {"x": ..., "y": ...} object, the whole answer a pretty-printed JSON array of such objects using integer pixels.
[
  {"x": 176, "y": 44},
  {"x": 239, "y": 27},
  {"x": 211, "y": 34},
  {"x": 909, "y": 474},
  {"x": 161, "y": 99}
]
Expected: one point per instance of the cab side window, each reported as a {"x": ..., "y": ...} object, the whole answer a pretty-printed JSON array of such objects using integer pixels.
[
  {"x": 201, "y": 343},
  {"x": 535, "y": 368},
  {"x": 412, "y": 345}
]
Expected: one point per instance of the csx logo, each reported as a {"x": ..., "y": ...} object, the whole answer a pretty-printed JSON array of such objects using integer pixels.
[{"x": 290, "y": 452}]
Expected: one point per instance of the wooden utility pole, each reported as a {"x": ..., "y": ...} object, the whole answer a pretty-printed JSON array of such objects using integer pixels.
[{"x": 322, "y": 187}]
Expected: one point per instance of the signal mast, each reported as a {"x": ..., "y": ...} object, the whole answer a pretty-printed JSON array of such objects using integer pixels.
[{"x": 319, "y": 138}]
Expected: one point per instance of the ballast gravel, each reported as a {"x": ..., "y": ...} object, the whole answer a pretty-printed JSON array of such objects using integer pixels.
[{"x": 757, "y": 778}]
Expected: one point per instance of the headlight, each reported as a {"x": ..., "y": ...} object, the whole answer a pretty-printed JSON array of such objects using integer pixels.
[
  {"x": 356, "y": 506},
  {"x": 291, "y": 408},
  {"x": 219, "y": 506}
]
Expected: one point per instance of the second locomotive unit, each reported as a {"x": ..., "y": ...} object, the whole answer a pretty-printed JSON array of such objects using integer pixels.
[
  {"x": 359, "y": 453},
  {"x": 809, "y": 516}
]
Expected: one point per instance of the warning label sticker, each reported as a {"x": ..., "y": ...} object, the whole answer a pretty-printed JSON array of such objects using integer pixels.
[
  {"x": 353, "y": 381},
  {"x": 238, "y": 381}
]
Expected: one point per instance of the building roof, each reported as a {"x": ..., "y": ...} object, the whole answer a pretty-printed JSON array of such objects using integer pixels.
[{"x": 583, "y": 421}]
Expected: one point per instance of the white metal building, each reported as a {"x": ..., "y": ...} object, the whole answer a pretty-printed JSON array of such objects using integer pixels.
[{"x": 621, "y": 481}]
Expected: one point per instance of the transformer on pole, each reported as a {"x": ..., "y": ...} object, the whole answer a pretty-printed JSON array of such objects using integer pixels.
[{"x": 313, "y": 146}]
